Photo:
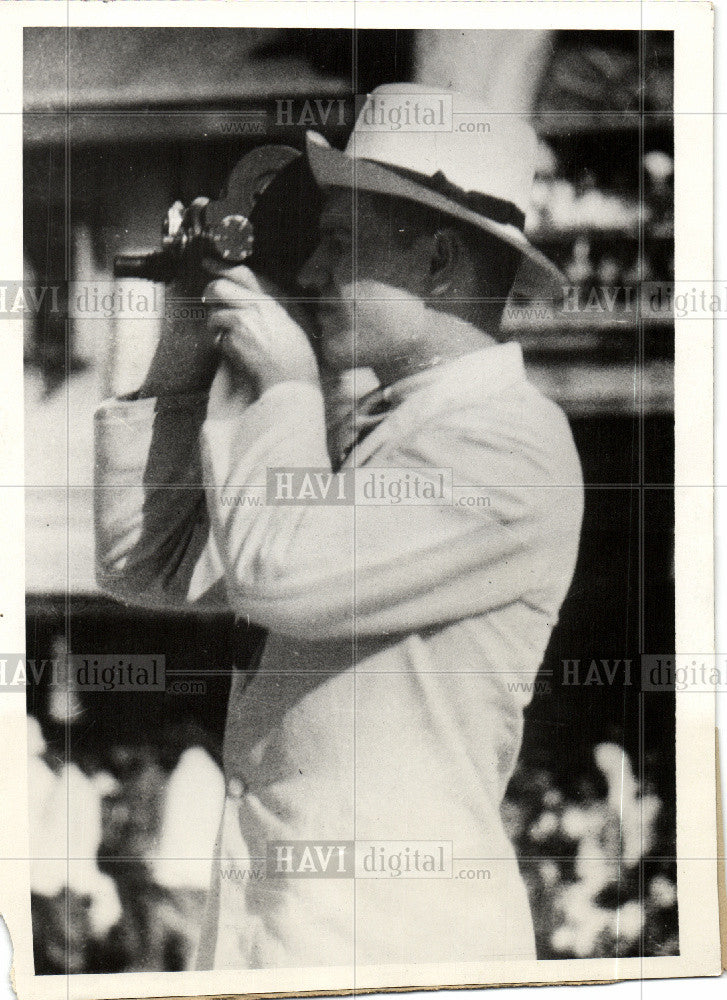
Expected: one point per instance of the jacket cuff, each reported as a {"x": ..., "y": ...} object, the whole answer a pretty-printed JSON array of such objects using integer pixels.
[{"x": 132, "y": 407}]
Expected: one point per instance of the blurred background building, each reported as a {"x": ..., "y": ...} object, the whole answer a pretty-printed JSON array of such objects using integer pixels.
[{"x": 121, "y": 122}]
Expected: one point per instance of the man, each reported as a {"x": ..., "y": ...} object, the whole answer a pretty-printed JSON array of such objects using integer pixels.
[{"x": 387, "y": 706}]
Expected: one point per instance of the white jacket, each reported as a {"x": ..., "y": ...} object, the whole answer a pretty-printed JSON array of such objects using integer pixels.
[{"x": 403, "y": 645}]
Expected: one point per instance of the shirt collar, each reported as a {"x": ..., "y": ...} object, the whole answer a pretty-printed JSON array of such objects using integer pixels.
[{"x": 478, "y": 373}]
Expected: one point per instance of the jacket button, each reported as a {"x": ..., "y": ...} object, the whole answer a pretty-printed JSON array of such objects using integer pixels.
[{"x": 236, "y": 788}]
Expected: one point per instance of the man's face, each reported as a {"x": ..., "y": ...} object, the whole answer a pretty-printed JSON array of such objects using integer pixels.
[{"x": 369, "y": 283}]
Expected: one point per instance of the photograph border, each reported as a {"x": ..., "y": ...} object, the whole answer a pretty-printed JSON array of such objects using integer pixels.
[{"x": 692, "y": 22}]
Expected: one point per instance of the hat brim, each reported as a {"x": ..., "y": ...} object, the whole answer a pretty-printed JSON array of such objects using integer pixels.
[{"x": 538, "y": 277}]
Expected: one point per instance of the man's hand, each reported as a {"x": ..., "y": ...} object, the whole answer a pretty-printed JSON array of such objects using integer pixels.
[{"x": 260, "y": 338}]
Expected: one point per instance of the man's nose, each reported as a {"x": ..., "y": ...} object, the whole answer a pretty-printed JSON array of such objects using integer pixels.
[{"x": 314, "y": 274}]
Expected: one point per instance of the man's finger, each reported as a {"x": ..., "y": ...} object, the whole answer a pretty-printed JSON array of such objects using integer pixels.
[
  {"x": 218, "y": 269},
  {"x": 220, "y": 320},
  {"x": 224, "y": 292},
  {"x": 243, "y": 276}
]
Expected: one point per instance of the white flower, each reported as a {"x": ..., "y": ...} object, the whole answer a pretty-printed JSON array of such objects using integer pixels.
[
  {"x": 662, "y": 892},
  {"x": 630, "y": 920},
  {"x": 549, "y": 873},
  {"x": 544, "y": 826}
]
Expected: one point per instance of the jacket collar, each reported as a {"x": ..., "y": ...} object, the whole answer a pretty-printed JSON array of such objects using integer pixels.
[
  {"x": 474, "y": 376},
  {"x": 468, "y": 379}
]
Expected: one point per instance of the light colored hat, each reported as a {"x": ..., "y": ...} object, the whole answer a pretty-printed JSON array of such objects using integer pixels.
[{"x": 448, "y": 151}]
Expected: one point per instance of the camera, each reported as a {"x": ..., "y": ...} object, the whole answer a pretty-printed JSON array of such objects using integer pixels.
[{"x": 266, "y": 218}]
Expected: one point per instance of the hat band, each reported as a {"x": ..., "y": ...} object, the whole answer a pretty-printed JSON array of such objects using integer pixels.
[{"x": 495, "y": 209}]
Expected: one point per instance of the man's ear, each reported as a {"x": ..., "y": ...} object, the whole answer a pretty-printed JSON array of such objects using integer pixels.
[{"x": 444, "y": 260}]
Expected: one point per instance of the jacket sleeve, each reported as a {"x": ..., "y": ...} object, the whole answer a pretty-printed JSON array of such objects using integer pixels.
[
  {"x": 152, "y": 530},
  {"x": 328, "y": 571}
]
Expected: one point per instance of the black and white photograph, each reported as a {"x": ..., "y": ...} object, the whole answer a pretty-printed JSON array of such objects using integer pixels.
[{"x": 365, "y": 479}]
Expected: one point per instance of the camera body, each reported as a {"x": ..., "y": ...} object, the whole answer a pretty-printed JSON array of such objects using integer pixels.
[{"x": 267, "y": 218}]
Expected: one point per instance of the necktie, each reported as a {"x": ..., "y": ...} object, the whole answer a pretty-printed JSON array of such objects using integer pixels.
[{"x": 368, "y": 413}]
